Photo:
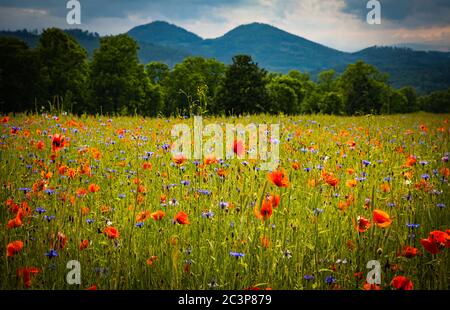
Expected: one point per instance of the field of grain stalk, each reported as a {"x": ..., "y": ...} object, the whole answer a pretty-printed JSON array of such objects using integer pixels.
[{"x": 109, "y": 194}]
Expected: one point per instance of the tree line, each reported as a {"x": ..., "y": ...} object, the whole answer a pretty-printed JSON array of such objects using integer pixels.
[{"x": 58, "y": 72}]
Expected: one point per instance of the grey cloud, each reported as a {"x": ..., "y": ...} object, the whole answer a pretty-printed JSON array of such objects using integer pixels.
[
  {"x": 406, "y": 13},
  {"x": 91, "y": 9}
]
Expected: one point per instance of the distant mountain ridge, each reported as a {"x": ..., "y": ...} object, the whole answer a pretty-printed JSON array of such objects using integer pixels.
[{"x": 275, "y": 50}]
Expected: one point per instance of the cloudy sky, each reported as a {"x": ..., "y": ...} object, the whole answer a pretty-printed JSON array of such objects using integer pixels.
[{"x": 337, "y": 23}]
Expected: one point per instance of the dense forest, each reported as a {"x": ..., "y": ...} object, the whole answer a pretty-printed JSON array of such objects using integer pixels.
[{"x": 58, "y": 73}]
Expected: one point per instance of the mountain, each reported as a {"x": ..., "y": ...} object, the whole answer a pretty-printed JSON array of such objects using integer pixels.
[
  {"x": 425, "y": 47},
  {"x": 279, "y": 51},
  {"x": 424, "y": 70},
  {"x": 272, "y": 48},
  {"x": 165, "y": 34},
  {"x": 275, "y": 50}
]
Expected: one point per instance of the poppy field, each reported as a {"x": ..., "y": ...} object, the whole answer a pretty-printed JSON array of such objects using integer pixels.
[{"x": 109, "y": 194}]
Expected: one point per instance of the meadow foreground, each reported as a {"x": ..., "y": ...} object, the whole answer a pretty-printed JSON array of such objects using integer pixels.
[{"x": 108, "y": 194}]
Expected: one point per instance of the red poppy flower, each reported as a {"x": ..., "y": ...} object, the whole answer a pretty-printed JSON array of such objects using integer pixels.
[
  {"x": 411, "y": 161},
  {"x": 92, "y": 288},
  {"x": 371, "y": 287},
  {"x": 210, "y": 159},
  {"x": 84, "y": 244},
  {"x": 181, "y": 218},
  {"x": 58, "y": 142},
  {"x": 437, "y": 240},
  {"x": 111, "y": 232},
  {"x": 409, "y": 252},
  {"x": 440, "y": 237},
  {"x": 402, "y": 283},
  {"x": 265, "y": 243},
  {"x": 151, "y": 260},
  {"x": 13, "y": 248},
  {"x": 330, "y": 179},
  {"x": 93, "y": 188},
  {"x": 141, "y": 217},
  {"x": 26, "y": 273},
  {"x": 381, "y": 218},
  {"x": 363, "y": 224},
  {"x": 238, "y": 147},
  {"x": 40, "y": 145},
  {"x": 158, "y": 215},
  {"x": 266, "y": 210},
  {"x": 275, "y": 200},
  {"x": 147, "y": 166},
  {"x": 430, "y": 246},
  {"x": 179, "y": 159},
  {"x": 279, "y": 178},
  {"x": 17, "y": 221}
]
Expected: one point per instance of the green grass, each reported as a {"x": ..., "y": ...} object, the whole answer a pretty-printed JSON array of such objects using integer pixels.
[{"x": 315, "y": 242}]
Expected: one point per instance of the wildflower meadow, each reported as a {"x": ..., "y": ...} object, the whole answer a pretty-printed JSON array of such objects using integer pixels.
[{"x": 92, "y": 202}]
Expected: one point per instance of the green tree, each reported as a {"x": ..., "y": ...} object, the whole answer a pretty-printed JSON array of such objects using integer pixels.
[
  {"x": 191, "y": 82},
  {"x": 116, "y": 76},
  {"x": 285, "y": 94},
  {"x": 395, "y": 102},
  {"x": 437, "y": 102},
  {"x": 363, "y": 87},
  {"x": 331, "y": 103},
  {"x": 63, "y": 68},
  {"x": 152, "y": 103},
  {"x": 411, "y": 97},
  {"x": 157, "y": 71},
  {"x": 244, "y": 88},
  {"x": 327, "y": 81},
  {"x": 18, "y": 73}
]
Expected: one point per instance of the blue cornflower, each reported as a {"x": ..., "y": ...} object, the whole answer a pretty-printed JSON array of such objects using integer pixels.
[
  {"x": 204, "y": 192},
  {"x": 330, "y": 280},
  {"x": 423, "y": 163},
  {"x": 185, "y": 182},
  {"x": 40, "y": 210},
  {"x": 25, "y": 189},
  {"x": 52, "y": 253},
  {"x": 165, "y": 146},
  {"x": 140, "y": 224},
  {"x": 223, "y": 204},
  {"x": 89, "y": 221},
  {"x": 412, "y": 225},
  {"x": 440, "y": 205},
  {"x": 49, "y": 218},
  {"x": 49, "y": 191},
  {"x": 317, "y": 211},
  {"x": 308, "y": 277},
  {"x": 122, "y": 196},
  {"x": 425, "y": 176},
  {"x": 237, "y": 254},
  {"x": 208, "y": 214},
  {"x": 366, "y": 163}
]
